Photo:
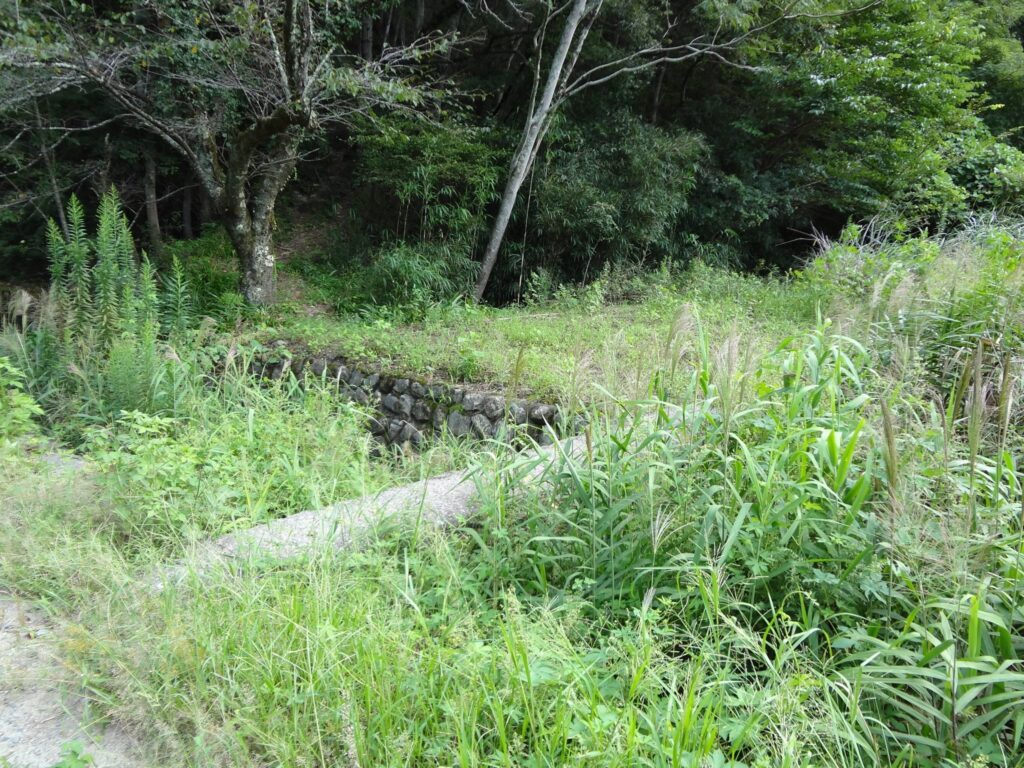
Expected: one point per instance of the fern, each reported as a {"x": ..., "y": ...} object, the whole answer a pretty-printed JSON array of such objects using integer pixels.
[
  {"x": 115, "y": 271},
  {"x": 109, "y": 310},
  {"x": 148, "y": 298},
  {"x": 127, "y": 378},
  {"x": 107, "y": 234},
  {"x": 107, "y": 295},
  {"x": 148, "y": 323},
  {"x": 58, "y": 254},
  {"x": 177, "y": 301},
  {"x": 78, "y": 283},
  {"x": 128, "y": 317},
  {"x": 125, "y": 245}
]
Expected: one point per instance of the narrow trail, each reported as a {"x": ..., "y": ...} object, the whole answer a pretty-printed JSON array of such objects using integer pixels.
[
  {"x": 42, "y": 706},
  {"x": 438, "y": 501}
]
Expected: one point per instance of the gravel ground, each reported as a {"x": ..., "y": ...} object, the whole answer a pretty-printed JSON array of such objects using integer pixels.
[{"x": 41, "y": 706}]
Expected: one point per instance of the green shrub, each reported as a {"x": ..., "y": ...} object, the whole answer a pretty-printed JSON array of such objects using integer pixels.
[
  {"x": 436, "y": 178},
  {"x": 18, "y": 411},
  {"x": 244, "y": 453},
  {"x": 616, "y": 195},
  {"x": 97, "y": 349},
  {"x": 866, "y": 263},
  {"x": 209, "y": 267},
  {"x": 416, "y": 276},
  {"x": 991, "y": 173}
]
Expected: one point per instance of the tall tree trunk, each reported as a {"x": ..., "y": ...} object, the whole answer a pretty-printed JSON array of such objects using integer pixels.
[
  {"x": 385, "y": 37},
  {"x": 51, "y": 172},
  {"x": 367, "y": 38},
  {"x": 186, "y": 213},
  {"x": 102, "y": 183},
  {"x": 659, "y": 84},
  {"x": 536, "y": 126},
  {"x": 205, "y": 206},
  {"x": 255, "y": 248},
  {"x": 58, "y": 201},
  {"x": 421, "y": 16},
  {"x": 252, "y": 240},
  {"x": 249, "y": 217},
  {"x": 152, "y": 212}
]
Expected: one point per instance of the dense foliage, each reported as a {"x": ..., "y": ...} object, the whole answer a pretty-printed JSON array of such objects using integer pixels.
[
  {"x": 806, "y": 553},
  {"x": 768, "y": 256},
  {"x": 815, "y": 112}
]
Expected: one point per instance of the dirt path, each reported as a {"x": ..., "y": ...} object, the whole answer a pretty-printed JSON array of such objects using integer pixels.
[{"x": 42, "y": 708}]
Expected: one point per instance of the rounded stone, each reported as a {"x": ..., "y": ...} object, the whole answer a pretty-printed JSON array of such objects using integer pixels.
[
  {"x": 280, "y": 369},
  {"x": 439, "y": 418},
  {"x": 407, "y": 402},
  {"x": 400, "y": 386},
  {"x": 473, "y": 402},
  {"x": 459, "y": 424},
  {"x": 355, "y": 378},
  {"x": 317, "y": 366},
  {"x": 421, "y": 411},
  {"x": 482, "y": 426},
  {"x": 517, "y": 412},
  {"x": 411, "y": 435},
  {"x": 370, "y": 382},
  {"x": 417, "y": 390},
  {"x": 543, "y": 414},
  {"x": 395, "y": 428},
  {"x": 494, "y": 407}
]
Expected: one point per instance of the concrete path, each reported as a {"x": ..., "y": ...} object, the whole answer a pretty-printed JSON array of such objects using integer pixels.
[{"x": 440, "y": 501}]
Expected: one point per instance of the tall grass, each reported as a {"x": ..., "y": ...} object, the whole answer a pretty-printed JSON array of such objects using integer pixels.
[{"x": 805, "y": 557}]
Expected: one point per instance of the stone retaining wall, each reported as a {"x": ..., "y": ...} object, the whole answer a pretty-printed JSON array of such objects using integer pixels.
[{"x": 410, "y": 411}]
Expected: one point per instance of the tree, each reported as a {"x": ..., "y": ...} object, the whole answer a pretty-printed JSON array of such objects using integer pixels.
[
  {"x": 152, "y": 212},
  {"x": 234, "y": 89},
  {"x": 734, "y": 26},
  {"x": 538, "y": 117}
]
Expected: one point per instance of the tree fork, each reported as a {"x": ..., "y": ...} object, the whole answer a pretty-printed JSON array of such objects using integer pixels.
[{"x": 533, "y": 133}]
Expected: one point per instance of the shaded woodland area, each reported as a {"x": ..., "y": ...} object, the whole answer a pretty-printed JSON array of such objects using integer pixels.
[{"x": 547, "y": 139}]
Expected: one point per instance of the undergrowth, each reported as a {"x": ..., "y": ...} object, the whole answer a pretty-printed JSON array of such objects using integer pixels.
[{"x": 799, "y": 553}]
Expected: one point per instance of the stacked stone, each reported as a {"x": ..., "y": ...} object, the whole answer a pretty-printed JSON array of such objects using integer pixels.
[{"x": 410, "y": 410}]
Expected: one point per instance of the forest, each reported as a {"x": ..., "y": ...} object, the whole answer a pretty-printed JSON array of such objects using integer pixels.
[
  {"x": 433, "y": 138},
  {"x": 499, "y": 383}
]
